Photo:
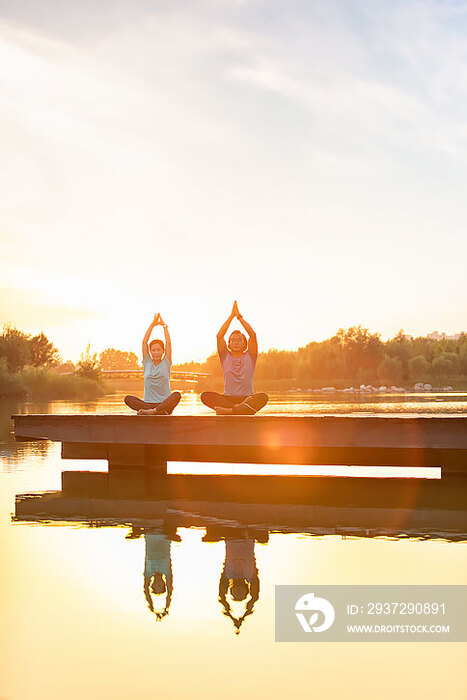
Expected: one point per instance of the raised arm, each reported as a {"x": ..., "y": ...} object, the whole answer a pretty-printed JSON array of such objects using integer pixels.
[
  {"x": 147, "y": 593},
  {"x": 147, "y": 335},
  {"x": 223, "y": 588},
  {"x": 168, "y": 599},
  {"x": 168, "y": 342},
  {"x": 221, "y": 344},
  {"x": 252, "y": 340}
]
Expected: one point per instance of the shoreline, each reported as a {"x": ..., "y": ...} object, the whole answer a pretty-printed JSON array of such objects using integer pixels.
[{"x": 46, "y": 385}]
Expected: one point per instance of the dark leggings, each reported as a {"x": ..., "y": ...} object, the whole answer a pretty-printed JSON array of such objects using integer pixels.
[
  {"x": 242, "y": 405},
  {"x": 166, "y": 406}
]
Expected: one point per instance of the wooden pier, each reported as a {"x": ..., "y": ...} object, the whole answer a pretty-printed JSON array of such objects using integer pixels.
[
  {"x": 149, "y": 441},
  {"x": 137, "y": 449}
]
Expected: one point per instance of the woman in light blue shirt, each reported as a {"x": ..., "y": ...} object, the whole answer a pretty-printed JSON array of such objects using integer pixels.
[
  {"x": 158, "y": 577},
  {"x": 158, "y": 400}
]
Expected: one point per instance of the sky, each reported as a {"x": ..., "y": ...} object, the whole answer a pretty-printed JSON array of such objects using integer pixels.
[{"x": 307, "y": 158}]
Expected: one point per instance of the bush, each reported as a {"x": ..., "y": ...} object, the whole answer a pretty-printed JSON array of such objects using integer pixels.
[
  {"x": 43, "y": 384},
  {"x": 88, "y": 366},
  {"x": 10, "y": 384}
]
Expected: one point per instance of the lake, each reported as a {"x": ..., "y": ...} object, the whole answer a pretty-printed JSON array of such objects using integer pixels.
[{"x": 82, "y": 616}]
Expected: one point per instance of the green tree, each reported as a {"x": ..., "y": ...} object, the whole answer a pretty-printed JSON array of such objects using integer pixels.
[
  {"x": 362, "y": 350},
  {"x": 453, "y": 359},
  {"x": 400, "y": 347},
  {"x": 444, "y": 365},
  {"x": 463, "y": 361},
  {"x": 118, "y": 359},
  {"x": 418, "y": 368},
  {"x": 15, "y": 348},
  {"x": 88, "y": 366},
  {"x": 275, "y": 364},
  {"x": 42, "y": 352},
  {"x": 390, "y": 370}
]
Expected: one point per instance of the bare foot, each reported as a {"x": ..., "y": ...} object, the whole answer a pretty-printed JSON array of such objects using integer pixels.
[
  {"x": 244, "y": 409},
  {"x": 151, "y": 412},
  {"x": 221, "y": 411}
]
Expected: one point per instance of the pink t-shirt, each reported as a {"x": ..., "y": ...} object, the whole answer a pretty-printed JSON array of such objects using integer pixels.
[
  {"x": 238, "y": 373},
  {"x": 240, "y": 559}
]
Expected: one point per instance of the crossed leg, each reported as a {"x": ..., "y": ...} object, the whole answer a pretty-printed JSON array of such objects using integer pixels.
[
  {"x": 144, "y": 408},
  {"x": 212, "y": 399},
  {"x": 251, "y": 405},
  {"x": 234, "y": 405}
]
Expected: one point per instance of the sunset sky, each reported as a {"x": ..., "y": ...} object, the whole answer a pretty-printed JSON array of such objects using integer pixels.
[{"x": 308, "y": 158}]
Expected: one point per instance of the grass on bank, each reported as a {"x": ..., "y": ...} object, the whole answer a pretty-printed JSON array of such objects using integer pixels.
[
  {"x": 135, "y": 385},
  {"x": 43, "y": 384}
]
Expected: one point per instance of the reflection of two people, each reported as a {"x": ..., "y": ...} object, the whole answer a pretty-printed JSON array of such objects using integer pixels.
[{"x": 239, "y": 582}]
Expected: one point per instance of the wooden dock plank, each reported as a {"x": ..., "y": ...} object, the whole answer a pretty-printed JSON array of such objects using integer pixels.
[
  {"x": 265, "y": 431},
  {"x": 361, "y": 440}
]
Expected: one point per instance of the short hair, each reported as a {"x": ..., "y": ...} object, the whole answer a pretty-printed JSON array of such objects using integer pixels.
[
  {"x": 160, "y": 342},
  {"x": 245, "y": 341}
]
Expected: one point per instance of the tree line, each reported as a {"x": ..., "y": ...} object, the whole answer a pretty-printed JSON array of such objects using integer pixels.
[
  {"x": 31, "y": 368},
  {"x": 358, "y": 356},
  {"x": 352, "y": 356},
  {"x": 20, "y": 351}
]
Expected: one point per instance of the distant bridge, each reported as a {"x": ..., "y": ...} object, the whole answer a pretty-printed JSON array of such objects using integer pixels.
[{"x": 175, "y": 374}]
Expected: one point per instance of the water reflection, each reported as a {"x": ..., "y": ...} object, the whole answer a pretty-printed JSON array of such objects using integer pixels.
[
  {"x": 80, "y": 614},
  {"x": 158, "y": 573},
  {"x": 239, "y": 581},
  {"x": 410, "y": 404},
  {"x": 236, "y": 526},
  {"x": 12, "y": 453}
]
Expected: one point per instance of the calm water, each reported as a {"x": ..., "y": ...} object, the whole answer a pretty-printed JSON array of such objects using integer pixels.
[{"x": 80, "y": 619}]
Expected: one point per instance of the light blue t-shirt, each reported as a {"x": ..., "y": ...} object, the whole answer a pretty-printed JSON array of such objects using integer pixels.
[
  {"x": 156, "y": 380},
  {"x": 157, "y": 555}
]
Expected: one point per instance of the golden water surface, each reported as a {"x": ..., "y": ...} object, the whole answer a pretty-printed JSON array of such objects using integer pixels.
[{"x": 76, "y": 622}]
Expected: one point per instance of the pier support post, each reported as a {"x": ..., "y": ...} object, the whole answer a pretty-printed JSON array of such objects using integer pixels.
[{"x": 135, "y": 457}]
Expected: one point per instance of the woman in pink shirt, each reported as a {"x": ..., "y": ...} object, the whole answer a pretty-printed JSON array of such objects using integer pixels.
[
  {"x": 238, "y": 360},
  {"x": 239, "y": 579}
]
